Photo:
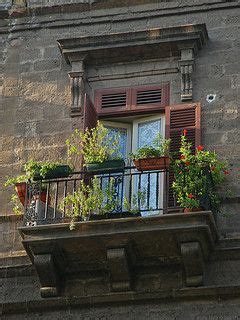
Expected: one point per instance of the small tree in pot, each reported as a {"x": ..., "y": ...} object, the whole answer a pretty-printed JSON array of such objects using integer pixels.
[{"x": 100, "y": 151}]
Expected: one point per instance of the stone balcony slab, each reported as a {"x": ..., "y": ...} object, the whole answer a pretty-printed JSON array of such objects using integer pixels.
[{"x": 119, "y": 248}]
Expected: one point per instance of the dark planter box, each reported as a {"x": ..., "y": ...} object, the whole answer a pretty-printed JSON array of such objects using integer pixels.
[
  {"x": 106, "y": 166},
  {"x": 61, "y": 171},
  {"x": 115, "y": 215}
]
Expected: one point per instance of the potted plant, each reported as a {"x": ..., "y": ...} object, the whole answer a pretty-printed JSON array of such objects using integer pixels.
[
  {"x": 100, "y": 151},
  {"x": 92, "y": 202},
  {"x": 46, "y": 170},
  {"x": 35, "y": 171},
  {"x": 197, "y": 178},
  {"x": 154, "y": 157}
]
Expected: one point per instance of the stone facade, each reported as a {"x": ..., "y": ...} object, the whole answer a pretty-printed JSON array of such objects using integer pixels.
[{"x": 35, "y": 119}]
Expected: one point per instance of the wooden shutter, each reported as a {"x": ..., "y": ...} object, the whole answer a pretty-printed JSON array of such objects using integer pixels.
[
  {"x": 179, "y": 117},
  {"x": 89, "y": 121},
  {"x": 89, "y": 114},
  {"x": 118, "y": 101},
  {"x": 110, "y": 101},
  {"x": 150, "y": 97}
]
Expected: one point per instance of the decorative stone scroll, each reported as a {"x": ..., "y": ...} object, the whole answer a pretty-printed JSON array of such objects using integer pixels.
[
  {"x": 77, "y": 84},
  {"x": 186, "y": 65},
  {"x": 193, "y": 262}
]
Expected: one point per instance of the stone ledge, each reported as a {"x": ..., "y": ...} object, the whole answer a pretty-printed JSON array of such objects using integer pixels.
[
  {"x": 204, "y": 293},
  {"x": 60, "y": 23}
]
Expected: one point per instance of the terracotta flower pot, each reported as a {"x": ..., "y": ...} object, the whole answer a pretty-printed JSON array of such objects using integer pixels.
[
  {"x": 188, "y": 210},
  {"x": 21, "y": 189},
  {"x": 147, "y": 164}
]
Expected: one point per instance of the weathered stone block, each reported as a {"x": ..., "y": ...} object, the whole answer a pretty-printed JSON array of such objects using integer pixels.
[{"x": 44, "y": 65}]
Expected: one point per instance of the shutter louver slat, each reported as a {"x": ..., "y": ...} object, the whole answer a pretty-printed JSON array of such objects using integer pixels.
[
  {"x": 149, "y": 96},
  {"x": 114, "y": 100},
  {"x": 181, "y": 117}
]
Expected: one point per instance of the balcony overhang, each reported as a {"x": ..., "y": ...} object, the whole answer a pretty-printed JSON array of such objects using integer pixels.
[
  {"x": 126, "y": 46},
  {"x": 122, "y": 249}
]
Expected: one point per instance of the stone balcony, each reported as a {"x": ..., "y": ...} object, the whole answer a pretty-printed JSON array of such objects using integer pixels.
[{"x": 137, "y": 255}]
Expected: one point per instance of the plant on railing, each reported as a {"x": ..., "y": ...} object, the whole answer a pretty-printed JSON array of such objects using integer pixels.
[
  {"x": 153, "y": 157},
  {"x": 96, "y": 146},
  {"x": 34, "y": 170},
  {"x": 89, "y": 198},
  {"x": 197, "y": 177}
]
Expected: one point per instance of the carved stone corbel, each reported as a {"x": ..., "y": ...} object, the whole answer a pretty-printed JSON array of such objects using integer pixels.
[
  {"x": 119, "y": 262},
  {"x": 193, "y": 262},
  {"x": 186, "y": 66},
  {"x": 47, "y": 271},
  {"x": 77, "y": 84}
]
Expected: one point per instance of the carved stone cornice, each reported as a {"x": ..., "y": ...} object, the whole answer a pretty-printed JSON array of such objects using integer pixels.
[
  {"x": 183, "y": 41},
  {"x": 126, "y": 46}
]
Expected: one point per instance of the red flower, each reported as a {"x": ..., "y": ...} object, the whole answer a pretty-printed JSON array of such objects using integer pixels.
[
  {"x": 182, "y": 157},
  {"x": 200, "y": 148},
  {"x": 187, "y": 163},
  {"x": 184, "y": 132},
  {"x": 190, "y": 196},
  {"x": 226, "y": 172},
  {"x": 213, "y": 168}
]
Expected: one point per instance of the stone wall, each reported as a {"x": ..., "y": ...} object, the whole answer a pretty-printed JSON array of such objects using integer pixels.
[{"x": 35, "y": 103}]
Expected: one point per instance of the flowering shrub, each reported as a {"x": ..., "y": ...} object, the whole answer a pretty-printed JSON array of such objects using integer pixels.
[{"x": 197, "y": 177}]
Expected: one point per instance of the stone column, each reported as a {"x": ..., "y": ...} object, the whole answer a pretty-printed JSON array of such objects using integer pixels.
[
  {"x": 186, "y": 65},
  {"x": 77, "y": 83}
]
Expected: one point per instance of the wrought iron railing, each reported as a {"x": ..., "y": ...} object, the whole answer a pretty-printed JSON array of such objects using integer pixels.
[{"x": 132, "y": 193}]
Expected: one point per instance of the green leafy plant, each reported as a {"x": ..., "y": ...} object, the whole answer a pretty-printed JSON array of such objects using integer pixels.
[
  {"x": 90, "y": 198},
  {"x": 95, "y": 145},
  {"x": 136, "y": 203},
  {"x": 159, "y": 149},
  {"x": 198, "y": 176}
]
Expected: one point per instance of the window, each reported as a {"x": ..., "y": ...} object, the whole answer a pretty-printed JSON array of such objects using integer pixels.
[{"x": 140, "y": 104}]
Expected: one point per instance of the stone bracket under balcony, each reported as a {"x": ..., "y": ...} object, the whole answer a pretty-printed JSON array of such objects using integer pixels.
[{"x": 122, "y": 252}]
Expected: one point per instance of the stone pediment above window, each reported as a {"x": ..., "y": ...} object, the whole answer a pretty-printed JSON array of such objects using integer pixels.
[{"x": 179, "y": 41}]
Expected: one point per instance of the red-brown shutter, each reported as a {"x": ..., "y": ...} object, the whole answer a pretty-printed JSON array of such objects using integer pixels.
[
  {"x": 116, "y": 101},
  {"x": 89, "y": 114},
  {"x": 179, "y": 117},
  {"x": 89, "y": 120}
]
